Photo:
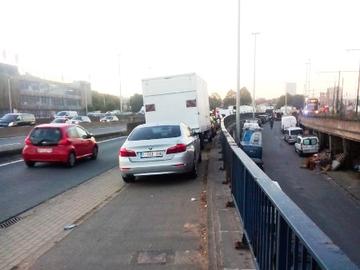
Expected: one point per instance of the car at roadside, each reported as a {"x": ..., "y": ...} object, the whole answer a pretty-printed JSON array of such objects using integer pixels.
[
  {"x": 308, "y": 144},
  {"x": 291, "y": 134},
  {"x": 109, "y": 118},
  {"x": 66, "y": 114},
  {"x": 17, "y": 119},
  {"x": 60, "y": 120},
  {"x": 80, "y": 119},
  {"x": 64, "y": 143},
  {"x": 156, "y": 149}
]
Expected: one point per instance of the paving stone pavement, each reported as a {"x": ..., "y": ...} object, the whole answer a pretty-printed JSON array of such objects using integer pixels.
[{"x": 41, "y": 227}]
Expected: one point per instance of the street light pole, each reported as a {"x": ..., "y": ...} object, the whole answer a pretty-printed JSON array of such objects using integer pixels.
[
  {"x": 357, "y": 91},
  {"x": 238, "y": 79},
  {"x": 254, "y": 79},
  {"x": 9, "y": 89},
  {"x": 121, "y": 100}
]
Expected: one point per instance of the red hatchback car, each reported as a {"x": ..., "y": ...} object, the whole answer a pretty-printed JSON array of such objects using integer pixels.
[{"x": 64, "y": 143}]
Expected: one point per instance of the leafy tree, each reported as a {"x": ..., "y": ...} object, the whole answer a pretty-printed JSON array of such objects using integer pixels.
[
  {"x": 298, "y": 101},
  {"x": 245, "y": 97},
  {"x": 230, "y": 98},
  {"x": 104, "y": 102},
  {"x": 136, "y": 102},
  {"x": 295, "y": 101},
  {"x": 214, "y": 101}
]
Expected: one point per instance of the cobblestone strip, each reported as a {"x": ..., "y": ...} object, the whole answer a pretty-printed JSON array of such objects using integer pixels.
[{"x": 43, "y": 225}]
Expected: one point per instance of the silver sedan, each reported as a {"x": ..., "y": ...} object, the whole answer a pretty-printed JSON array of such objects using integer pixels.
[{"x": 155, "y": 149}]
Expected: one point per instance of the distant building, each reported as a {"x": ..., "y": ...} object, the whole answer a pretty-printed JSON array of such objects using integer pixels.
[
  {"x": 40, "y": 97},
  {"x": 290, "y": 88}
]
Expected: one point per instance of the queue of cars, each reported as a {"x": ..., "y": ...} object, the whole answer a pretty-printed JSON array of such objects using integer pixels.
[{"x": 303, "y": 144}]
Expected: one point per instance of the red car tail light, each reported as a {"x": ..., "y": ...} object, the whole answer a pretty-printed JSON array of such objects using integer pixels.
[
  {"x": 179, "y": 148},
  {"x": 28, "y": 141},
  {"x": 126, "y": 153}
]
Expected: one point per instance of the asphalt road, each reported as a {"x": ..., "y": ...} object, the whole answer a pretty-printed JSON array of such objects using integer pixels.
[
  {"x": 22, "y": 188},
  {"x": 151, "y": 224},
  {"x": 330, "y": 207},
  {"x": 19, "y": 140}
]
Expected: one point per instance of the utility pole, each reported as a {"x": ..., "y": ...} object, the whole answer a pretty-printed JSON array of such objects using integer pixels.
[
  {"x": 307, "y": 83},
  {"x": 254, "y": 79},
  {"x": 238, "y": 80},
  {"x": 337, "y": 88},
  {"x": 357, "y": 91},
  {"x": 333, "y": 101},
  {"x": 120, "y": 98},
  {"x": 286, "y": 101},
  {"x": 337, "y": 94},
  {"x": 9, "y": 89}
]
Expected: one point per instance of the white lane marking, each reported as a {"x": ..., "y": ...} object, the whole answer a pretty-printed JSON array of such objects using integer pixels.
[
  {"x": 113, "y": 139},
  {"x": 11, "y": 162},
  {"x": 21, "y": 160}
]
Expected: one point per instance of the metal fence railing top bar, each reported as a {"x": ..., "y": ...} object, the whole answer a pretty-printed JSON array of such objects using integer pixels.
[{"x": 323, "y": 252}]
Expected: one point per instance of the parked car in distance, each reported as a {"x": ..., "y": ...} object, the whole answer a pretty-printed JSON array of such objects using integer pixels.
[
  {"x": 292, "y": 133},
  {"x": 17, "y": 119},
  {"x": 306, "y": 145},
  {"x": 155, "y": 149},
  {"x": 109, "y": 118},
  {"x": 63, "y": 143},
  {"x": 80, "y": 119},
  {"x": 60, "y": 120},
  {"x": 66, "y": 114}
]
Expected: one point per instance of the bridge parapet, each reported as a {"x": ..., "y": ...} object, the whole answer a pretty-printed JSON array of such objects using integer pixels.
[
  {"x": 342, "y": 128},
  {"x": 280, "y": 234}
]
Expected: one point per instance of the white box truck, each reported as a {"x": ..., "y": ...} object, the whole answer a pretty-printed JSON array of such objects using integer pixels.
[{"x": 179, "y": 98}]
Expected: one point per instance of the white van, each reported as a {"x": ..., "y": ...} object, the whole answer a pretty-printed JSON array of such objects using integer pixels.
[
  {"x": 287, "y": 122},
  {"x": 307, "y": 145}
]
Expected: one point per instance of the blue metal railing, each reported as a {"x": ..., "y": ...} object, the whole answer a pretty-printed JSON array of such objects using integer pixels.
[{"x": 279, "y": 233}]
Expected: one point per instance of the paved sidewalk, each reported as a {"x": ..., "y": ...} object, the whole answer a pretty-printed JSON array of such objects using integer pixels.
[
  {"x": 154, "y": 223},
  {"x": 225, "y": 228},
  {"x": 41, "y": 227}
]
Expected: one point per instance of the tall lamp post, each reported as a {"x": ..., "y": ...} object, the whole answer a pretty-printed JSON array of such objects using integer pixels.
[
  {"x": 358, "y": 85},
  {"x": 238, "y": 79},
  {"x": 9, "y": 92},
  {"x": 121, "y": 100},
  {"x": 253, "y": 101}
]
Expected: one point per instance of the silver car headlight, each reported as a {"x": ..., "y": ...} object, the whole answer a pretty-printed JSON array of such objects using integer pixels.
[{"x": 11, "y": 124}]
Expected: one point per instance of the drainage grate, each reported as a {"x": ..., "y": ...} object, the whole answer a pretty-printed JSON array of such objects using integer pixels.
[{"x": 9, "y": 222}]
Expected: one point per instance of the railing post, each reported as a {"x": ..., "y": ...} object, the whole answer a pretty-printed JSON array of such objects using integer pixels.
[{"x": 281, "y": 243}]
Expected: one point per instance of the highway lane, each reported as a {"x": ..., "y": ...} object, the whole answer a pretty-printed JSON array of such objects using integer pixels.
[
  {"x": 19, "y": 140},
  {"x": 22, "y": 188},
  {"x": 331, "y": 208}
]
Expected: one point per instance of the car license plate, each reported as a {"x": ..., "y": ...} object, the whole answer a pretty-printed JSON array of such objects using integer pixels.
[
  {"x": 44, "y": 150},
  {"x": 151, "y": 154}
]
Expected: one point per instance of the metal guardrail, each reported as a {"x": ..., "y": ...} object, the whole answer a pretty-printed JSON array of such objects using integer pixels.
[{"x": 280, "y": 234}]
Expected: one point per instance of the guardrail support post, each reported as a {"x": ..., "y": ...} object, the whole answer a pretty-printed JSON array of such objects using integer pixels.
[{"x": 281, "y": 243}]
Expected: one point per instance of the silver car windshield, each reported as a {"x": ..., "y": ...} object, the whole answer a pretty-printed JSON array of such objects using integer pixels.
[{"x": 156, "y": 132}]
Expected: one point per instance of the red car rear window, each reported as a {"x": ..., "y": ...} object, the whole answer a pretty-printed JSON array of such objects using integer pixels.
[{"x": 45, "y": 136}]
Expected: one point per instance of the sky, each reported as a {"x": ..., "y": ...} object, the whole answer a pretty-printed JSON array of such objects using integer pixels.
[{"x": 116, "y": 44}]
